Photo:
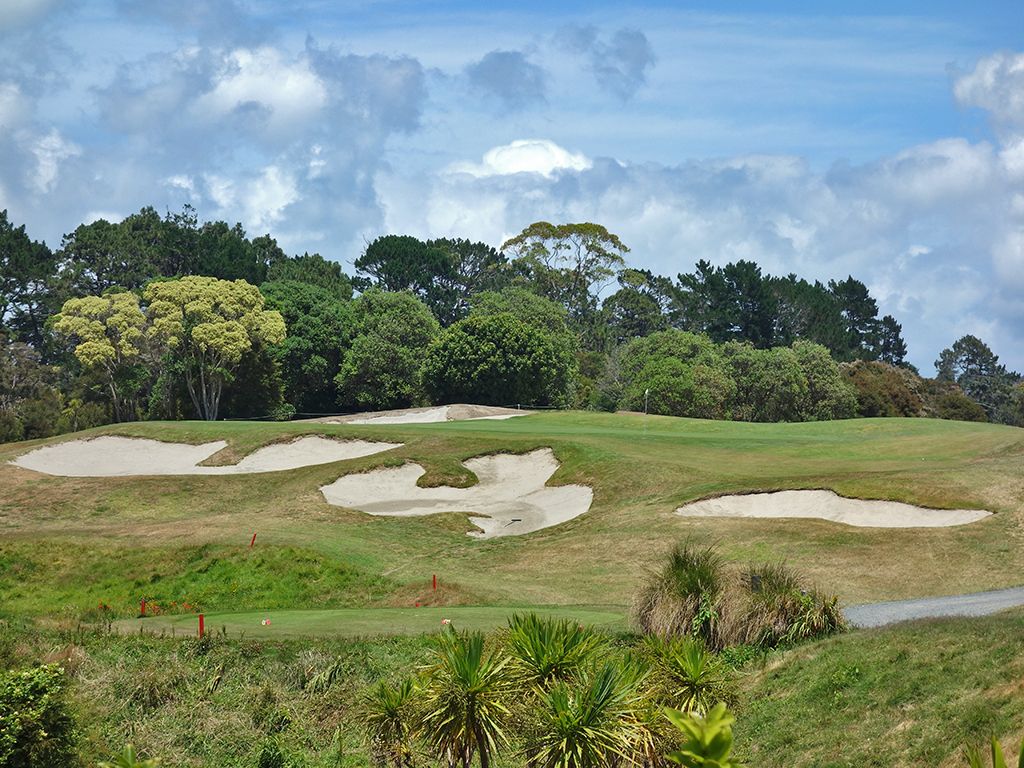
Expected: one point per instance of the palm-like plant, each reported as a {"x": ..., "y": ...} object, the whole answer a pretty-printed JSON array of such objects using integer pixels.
[
  {"x": 463, "y": 709},
  {"x": 975, "y": 760},
  {"x": 387, "y": 713},
  {"x": 690, "y": 677},
  {"x": 708, "y": 740},
  {"x": 593, "y": 722},
  {"x": 130, "y": 759},
  {"x": 547, "y": 651}
]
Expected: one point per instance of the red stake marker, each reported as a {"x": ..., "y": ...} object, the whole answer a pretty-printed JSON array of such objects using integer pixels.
[
  {"x": 142, "y": 607},
  {"x": 253, "y": 541},
  {"x": 202, "y": 629},
  {"x": 435, "y": 582}
]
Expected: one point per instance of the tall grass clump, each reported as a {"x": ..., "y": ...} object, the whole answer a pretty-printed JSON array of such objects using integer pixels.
[
  {"x": 697, "y": 594},
  {"x": 685, "y": 596}
]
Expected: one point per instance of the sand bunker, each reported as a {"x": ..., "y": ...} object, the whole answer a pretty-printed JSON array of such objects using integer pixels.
[
  {"x": 427, "y": 415},
  {"x": 511, "y": 492},
  {"x": 123, "y": 456},
  {"x": 826, "y": 505}
]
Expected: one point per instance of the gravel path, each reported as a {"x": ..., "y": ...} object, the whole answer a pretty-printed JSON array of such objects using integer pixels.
[{"x": 976, "y": 604}]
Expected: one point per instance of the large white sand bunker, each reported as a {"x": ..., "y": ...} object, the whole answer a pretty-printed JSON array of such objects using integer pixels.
[
  {"x": 826, "y": 505},
  {"x": 511, "y": 492},
  {"x": 111, "y": 456},
  {"x": 431, "y": 415}
]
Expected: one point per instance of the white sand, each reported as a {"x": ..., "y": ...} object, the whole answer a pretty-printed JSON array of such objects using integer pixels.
[
  {"x": 511, "y": 492},
  {"x": 111, "y": 456},
  {"x": 826, "y": 505},
  {"x": 427, "y": 416},
  {"x": 431, "y": 415}
]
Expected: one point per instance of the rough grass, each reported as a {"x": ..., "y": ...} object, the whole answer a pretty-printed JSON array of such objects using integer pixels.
[
  {"x": 911, "y": 695},
  {"x": 641, "y": 469},
  {"x": 908, "y": 696}
]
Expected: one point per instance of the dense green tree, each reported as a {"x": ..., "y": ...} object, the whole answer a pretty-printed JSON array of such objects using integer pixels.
[
  {"x": 680, "y": 373},
  {"x": 734, "y": 302},
  {"x": 320, "y": 329},
  {"x": 569, "y": 264},
  {"x": 404, "y": 263},
  {"x": 30, "y": 403},
  {"x": 208, "y": 325},
  {"x": 543, "y": 315},
  {"x": 98, "y": 256},
  {"x": 892, "y": 348},
  {"x": 638, "y": 308},
  {"x": 770, "y": 384},
  {"x": 312, "y": 269},
  {"x": 382, "y": 367},
  {"x": 226, "y": 253},
  {"x": 810, "y": 312},
  {"x": 670, "y": 387},
  {"x": 26, "y": 269},
  {"x": 860, "y": 318},
  {"x": 973, "y": 365},
  {"x": 829, "y": 395},
  {"x": 495, "y": 360},
  {"x": 475, "y": 267}
]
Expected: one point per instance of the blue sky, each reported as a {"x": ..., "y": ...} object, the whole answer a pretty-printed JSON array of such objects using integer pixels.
[{"x": 884, "y": 140}]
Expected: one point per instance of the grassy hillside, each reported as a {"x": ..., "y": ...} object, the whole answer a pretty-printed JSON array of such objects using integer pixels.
[
  {"x": 67, "y": 544},
  {"x": 908, "y": 696}
]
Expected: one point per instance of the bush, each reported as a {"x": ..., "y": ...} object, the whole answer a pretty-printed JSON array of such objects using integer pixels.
[
  {"x": 956, "y": 406},
  {"x": 884, "y": 390},
  {"x": 695, "y": 595},
  {"x": 36, "y": 729}
]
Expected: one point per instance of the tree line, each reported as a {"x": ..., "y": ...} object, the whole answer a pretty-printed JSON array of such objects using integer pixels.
[{"x": 165, "y": 317}]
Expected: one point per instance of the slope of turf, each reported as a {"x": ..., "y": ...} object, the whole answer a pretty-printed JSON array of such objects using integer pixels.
[
  {"x": 908, "y": 695},
  {"x": 58, "y": 533}
]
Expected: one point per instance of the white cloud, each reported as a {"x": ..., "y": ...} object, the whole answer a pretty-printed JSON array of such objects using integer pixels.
[
  {"x": 14, "y": 107},
  {"x": 996, "y": 84},
  {"x": 259, "y": 201},
  {"x": 538, "y": 156},
  {"x": 50, "y": 151},
  {"x": 289, "y": 90}
]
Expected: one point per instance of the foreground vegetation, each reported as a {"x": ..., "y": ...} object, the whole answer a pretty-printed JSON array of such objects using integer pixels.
[{"x": 911, "y": 695}]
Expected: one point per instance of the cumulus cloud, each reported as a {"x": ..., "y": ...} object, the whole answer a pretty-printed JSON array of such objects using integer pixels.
[
  {"x": 263, "y": 84},
  {"x": 533, "y": 156},
  {"x": 620, "y": 63},
  {"x": 929, "y": 229},
  {"x": 509, "y": 77},
  {"x": 996, "y": 85}
]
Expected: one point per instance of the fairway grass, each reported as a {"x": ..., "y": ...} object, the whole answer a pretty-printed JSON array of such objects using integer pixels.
[
  {"x": 67, "y": 544},
  {"x": 364, "y": 622}
]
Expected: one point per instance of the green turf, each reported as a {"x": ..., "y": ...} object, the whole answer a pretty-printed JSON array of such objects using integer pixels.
[
  {"x": 362, "y": 622},
  {"x": 67, "y": 544}
]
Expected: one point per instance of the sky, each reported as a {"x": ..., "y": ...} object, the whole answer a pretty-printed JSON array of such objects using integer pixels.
[{"x": 882, "y": 140}]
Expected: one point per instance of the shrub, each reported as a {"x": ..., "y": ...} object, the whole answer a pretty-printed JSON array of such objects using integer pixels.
[
  {"x": 764, "y": 606},
  {"x": 36, "y": 729},
  {"x": 708, "y": 739},
  {"x": 884, "y": 390},
  {"x": 683, "y": 598}
]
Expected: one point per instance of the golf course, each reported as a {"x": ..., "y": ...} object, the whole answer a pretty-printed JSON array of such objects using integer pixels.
[{"x": 280, "y": 573}]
